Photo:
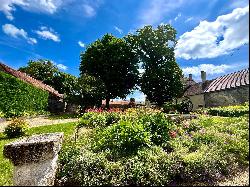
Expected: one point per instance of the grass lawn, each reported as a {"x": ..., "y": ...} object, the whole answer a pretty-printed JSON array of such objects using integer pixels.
[{"x": 6, "y": 168}]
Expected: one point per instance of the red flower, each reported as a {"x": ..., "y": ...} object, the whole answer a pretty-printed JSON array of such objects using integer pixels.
[{"x": 172, "y": 134}]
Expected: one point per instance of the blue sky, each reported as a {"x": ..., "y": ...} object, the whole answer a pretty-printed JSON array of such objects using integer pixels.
[{"x": 213, "y": 35}]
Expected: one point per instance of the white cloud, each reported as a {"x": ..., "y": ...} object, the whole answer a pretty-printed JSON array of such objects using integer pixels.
[
  {"x": 179, "y": 15},
  {"x": 32, "y": 41},
  {"x": 238, "y": 4},
  {"x": 48, "y": 34},
  {"x": 118, "y": 29},
  {"x": 62, "y": 67},
  {"x": 189, "y": 19},
  {"x": 213, "y": 39},
  {"x": 14, "y": 32},
  {"x": 214, "y": 71},
  {"x": 43, "y": 6},
  {"x": 155, "y": 10},
  {"x": 209, "y": 68},
  {"x": 88, "y": 10},
  {"x": 81, "y": 44}
]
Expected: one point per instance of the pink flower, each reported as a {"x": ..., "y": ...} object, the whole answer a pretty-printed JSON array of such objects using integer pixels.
[{"x": 172, "y": 134}]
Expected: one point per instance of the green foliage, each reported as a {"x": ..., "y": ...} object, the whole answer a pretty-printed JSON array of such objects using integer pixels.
[
  {"x": 161, "y": 81},
  {"x": 111, "y": 60},
  {"x": 43, "y": 70},
  {"x": 16, "y": 128},
  {"x": 159, "y": 127},
  {"x": 19, "y": 98},
  {"x": 146, "y": 148},
  {"x": 170, "y": 107},
  {"x": 92, "y": 120},
  {"x": 98, "y": 119},
  {"x": 151, "y": 166},
  {"x": 230, "y": 111},
  {"x": 88, "y": 91},
  {"x": 125, "y": 136},
  {"x": 49, "y": 73}
]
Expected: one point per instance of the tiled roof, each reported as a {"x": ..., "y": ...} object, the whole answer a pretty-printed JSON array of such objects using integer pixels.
[
  {"x": 26, "y": 78},
  {"x": 116, "y": 102},
  {"x": 197, "y": 88},
  {"x": 233, "y": 80}
]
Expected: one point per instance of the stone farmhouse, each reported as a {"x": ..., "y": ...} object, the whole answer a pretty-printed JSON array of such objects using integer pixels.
[
  {"x": 55, "y": 100},
  {"x": 230, "y": 89}
]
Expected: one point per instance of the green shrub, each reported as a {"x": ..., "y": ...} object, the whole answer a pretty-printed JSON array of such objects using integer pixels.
[
  {"x": 112, "y": 117},
  {"x": 19, "y": 98},
  {"x": 230, "y": 111},
  {"x": 159, "y": 127},
  {"x": 150, "y": 166},
  {"x": 98, "y": 119},
  {"x": 169, "y": 107},
  {"x": 147, "y": 148},
  {"x": 16, "y": 128},
  {"x": 92, "y": 120},
  {"x": 206, "y": 163},
  {"x": 125, "y": 136}
]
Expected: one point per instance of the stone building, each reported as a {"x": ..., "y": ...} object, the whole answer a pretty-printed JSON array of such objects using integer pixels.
[
  {"x": 55, "y": 100},
  {"x": 230, "y": 89}
]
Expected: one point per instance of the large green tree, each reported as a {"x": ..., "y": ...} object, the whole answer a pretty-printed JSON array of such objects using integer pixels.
[
  {"x": 41, "y": 69},
  {"x": 111, "y": 60},
  {"x": 47, "y": 72},
  {"x": 161, "y": 80},
  {"x": 87, "y": 91}
]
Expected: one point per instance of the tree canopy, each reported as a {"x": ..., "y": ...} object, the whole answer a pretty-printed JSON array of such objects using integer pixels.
[
  {"x": 87, "y": 91},
  {"x": 161, "y": 80},
  {"x": 41, "y": 69},
  {"x": 46, "y": 71},
  {"x": 111, "y": 60}
]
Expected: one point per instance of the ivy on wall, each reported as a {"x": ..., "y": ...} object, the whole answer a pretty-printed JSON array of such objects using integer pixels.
[{"x": 18, "y": 98}]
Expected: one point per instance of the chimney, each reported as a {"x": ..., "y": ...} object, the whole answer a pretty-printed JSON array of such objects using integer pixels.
[
  {"x": 190, "y": 77},
  {"x": 203, "y": 76}
]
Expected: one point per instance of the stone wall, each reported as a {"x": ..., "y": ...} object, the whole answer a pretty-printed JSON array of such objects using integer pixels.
[
  {"x": 198, "y": 101},
  {"x": 72, "y": 108},
  {"x": 227, "y": 97},
  {"x": 56, "y": 104}
]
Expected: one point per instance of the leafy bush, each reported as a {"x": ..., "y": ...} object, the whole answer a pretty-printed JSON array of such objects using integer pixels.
[
  {"x": 159, "y": 126},
  {"x": 16, "y": 128},
  {"x": 92, "y": 120},
  {"x": 83, "y": 167},
  {"x": 180, "y": 107},
  {"x": 146, "y": 148},
  {"x": 169, "y": 107},
  {"x": 98, "y": 119},
  {"x": 125, "y": 136},
  {"x": 230, "y": 111},
  {"x": 19, "y": 98}
]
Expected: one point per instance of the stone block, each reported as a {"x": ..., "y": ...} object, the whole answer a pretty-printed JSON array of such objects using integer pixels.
[{"x": 35, "y": 159}]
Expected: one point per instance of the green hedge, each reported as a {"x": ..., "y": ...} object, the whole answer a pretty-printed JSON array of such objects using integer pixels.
[
  {"x": 230, "y": 111},
  {"x": 18, "y": 98}
]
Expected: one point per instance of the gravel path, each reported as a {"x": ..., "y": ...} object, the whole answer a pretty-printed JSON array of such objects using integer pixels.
[{"x": 39, "y": 121}]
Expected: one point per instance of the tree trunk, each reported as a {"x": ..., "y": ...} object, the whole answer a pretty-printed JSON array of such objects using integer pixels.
[{"x": 107, "y": 102}]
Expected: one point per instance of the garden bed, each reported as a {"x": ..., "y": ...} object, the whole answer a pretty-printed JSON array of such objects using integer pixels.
[{"x": 144, "y": 147}]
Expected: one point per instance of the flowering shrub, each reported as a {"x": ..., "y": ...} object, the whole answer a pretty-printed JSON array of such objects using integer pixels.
[
  {"x": 16, "y": 128},
  {"x": 230, "y": 111},
  {"x": 125, "y": 136},
  {"x": 144, "y": 147}
]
